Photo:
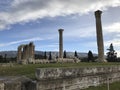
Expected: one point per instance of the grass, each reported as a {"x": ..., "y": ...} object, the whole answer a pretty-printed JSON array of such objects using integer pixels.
[
  {"x": 29, "y": 70},
  {"x": 113, "y": 86}
]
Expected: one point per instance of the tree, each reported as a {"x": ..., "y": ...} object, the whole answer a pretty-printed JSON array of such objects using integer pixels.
[
  {"x": 64, "y": 55},
  {"x": 5, "y": 58},
  {"x": 38, "y": 56},
  {"x": 1, "y": 58},
  {"x": 75, "y": 55},
  {"x": 45, "y": 56},
  {"x": 50, "y": 56},
  {"x": 90, "y": 56},
  {"x": 12, "y": 59},
  {"x": 111, "y": 54}
]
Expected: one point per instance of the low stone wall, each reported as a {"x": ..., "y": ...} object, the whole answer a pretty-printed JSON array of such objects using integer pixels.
[
  {"x": 43, "y": 61},
  {"x": 63, "y": 78},
  {"x": 17, "y": 83},
  {"x": 57, "y": 73},
  {"x": 75, "y": 78},
  {"x": 68, "y": 60},
  {"x": 6, "y": 64},
  {"x": 1, "y": 86}
]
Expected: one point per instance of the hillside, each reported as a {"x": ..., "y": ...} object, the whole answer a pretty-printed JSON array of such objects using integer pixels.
[{"x": 54, "y": 54}]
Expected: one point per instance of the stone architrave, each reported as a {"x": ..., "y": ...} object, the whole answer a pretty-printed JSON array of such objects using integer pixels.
[
  {"x": 61, "y": 43},
  {"x": 100, "y": 43}
]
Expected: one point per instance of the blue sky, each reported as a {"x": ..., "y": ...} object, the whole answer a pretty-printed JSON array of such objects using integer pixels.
[{"x": 23, "y": 21}]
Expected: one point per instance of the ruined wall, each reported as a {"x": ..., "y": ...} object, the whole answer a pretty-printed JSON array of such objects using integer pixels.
[
  {"x": 75, "y": 78},
  {"x": 63, "y": 78},
  {"x": 17, "y": 83},
  {"x": 26, "y": 53}
]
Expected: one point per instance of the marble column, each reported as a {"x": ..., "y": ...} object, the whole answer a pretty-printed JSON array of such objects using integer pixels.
[
  {"x": 19, "y": 54},
  {"x": 27, "y": 52},
  {"x": 100, "y": 43},
  {"x": 31, "y": 50},
  {"x": 24, "y": 53},
  {"x": 61, "y": 43}
]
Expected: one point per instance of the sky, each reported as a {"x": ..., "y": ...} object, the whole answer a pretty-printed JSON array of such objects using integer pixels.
[{"x": 38, "y": 21}]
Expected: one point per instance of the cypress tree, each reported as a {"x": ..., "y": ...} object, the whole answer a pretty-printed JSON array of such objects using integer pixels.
[
  {"x": 90, "y": 56},
  {"x": 64, "y": 55},
  {"x": 45, "y": 56},
  {"x": 75, "y": 55},
  {"x": 5, "y": 58},
  {"x": 50, "y": 56},
  {"x": 111, "y": 55}
]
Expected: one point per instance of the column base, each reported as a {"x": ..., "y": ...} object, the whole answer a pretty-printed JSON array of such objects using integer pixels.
[
  {"x": 101, "y": 60},
  {"x": 60, "y": 60}
]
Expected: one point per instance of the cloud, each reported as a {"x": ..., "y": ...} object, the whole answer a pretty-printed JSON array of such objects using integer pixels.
[
  {"x": 22, "y": 11},
  {"x": 112, "y": 32},
  {"x": 49, "y": 47},
  {"x": 114, "y": 27},
  {"x": 21, "y": 41},
  {"x": 116, "y": 42},
  {"x": 112, "y": 35},
  {"x": 81, "y": 32},
  {"x": 52, "y": 45}
]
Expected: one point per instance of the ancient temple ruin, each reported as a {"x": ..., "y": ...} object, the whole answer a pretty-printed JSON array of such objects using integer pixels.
[{"x": 25, "y": 53}]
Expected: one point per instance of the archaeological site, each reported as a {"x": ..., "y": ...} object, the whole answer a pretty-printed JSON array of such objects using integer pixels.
[{"x": 62, "y": 78}]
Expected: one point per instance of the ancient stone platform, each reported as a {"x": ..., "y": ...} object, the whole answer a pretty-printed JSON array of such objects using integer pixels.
[
  {"x": 63, "y": 78},
  {"x": 75, "y": 78},
  {"x": 16, "y": 83}
]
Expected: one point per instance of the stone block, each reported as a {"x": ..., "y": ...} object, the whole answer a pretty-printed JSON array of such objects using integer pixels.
[{"x": 1, "y": 86}]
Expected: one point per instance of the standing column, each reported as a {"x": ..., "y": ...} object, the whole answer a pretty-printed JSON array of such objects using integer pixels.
[
  {"x": 100, "y": 43},
  {"x": 19, "y": 54},
  {"x": 61, "y": 43},
  {"x": 31, "y": 50},
  {"x": 24, "y": 52},
  {"x": 27, "y": 52}
]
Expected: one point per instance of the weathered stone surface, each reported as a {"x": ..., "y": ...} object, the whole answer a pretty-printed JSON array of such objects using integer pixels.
[
  {"x": 16, "y": 83},
  {"x": 68, "y": 84},
  {"x": 29, "y": 85},
  {"x": 68, "y": 60},
  {"x": 43, "y": 61},
  {"x": 26, "y": 53},
  {"x": 1, "y": 85},
  {"x": 75, "y": 78},
  {"x": 100, "y": 42},
  {"x": 63, "y": 78},
  {"x": 61, "y": 43},
  {"x": 56, "y": 73},
  {"x": 12, "y": 85}
]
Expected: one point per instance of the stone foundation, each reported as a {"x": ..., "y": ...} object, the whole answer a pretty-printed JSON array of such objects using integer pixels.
[
  {"x": 68, "y": 60},
  {"x": 17, "y": 83},
  {"x": 63, "y": 78},
  {"x": 1, "y": 86},
  {"x": 75, "y": 78}
]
